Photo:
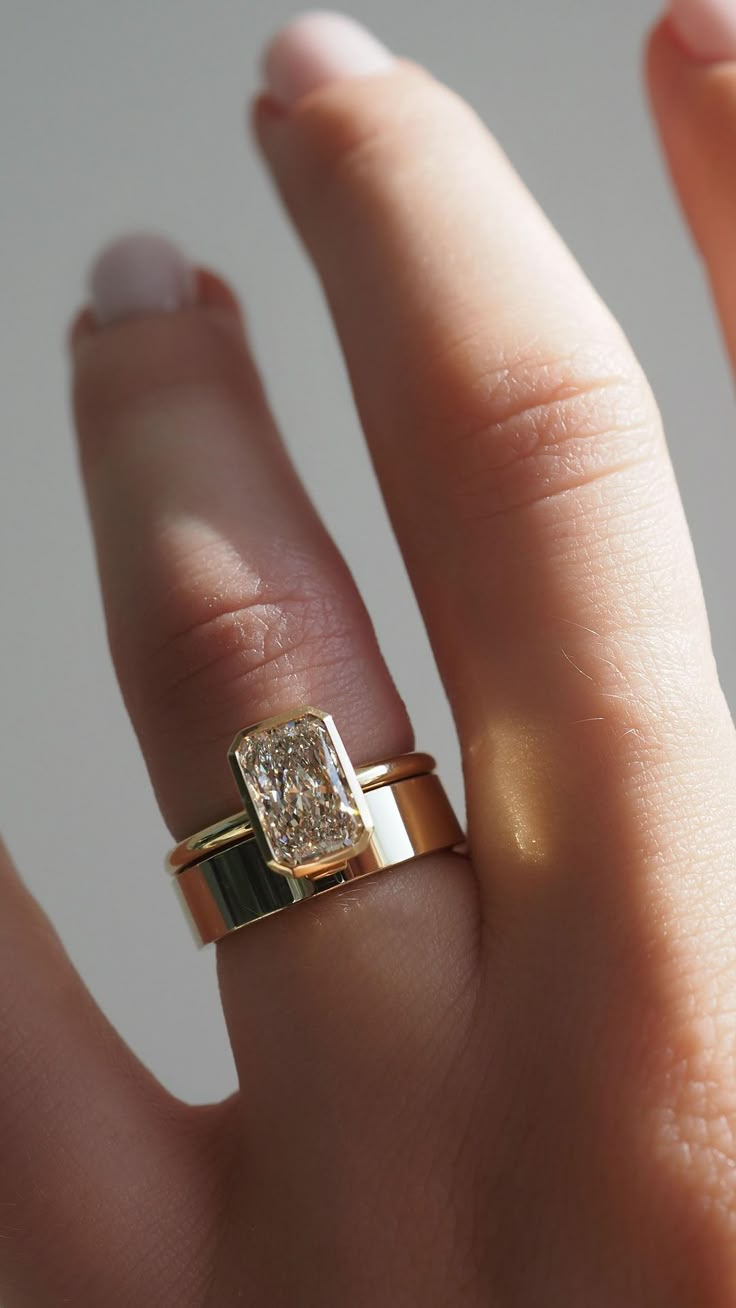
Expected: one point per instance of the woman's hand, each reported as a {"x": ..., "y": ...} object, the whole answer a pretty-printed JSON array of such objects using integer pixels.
[{"x": 508, "y": 1081}]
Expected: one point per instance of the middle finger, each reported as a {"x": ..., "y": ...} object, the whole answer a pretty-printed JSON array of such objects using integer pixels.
[{"x": 522, "y": 460}]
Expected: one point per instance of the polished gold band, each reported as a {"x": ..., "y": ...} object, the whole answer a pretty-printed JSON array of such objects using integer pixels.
[
  {"x": 233, "y": 887},
  {"x": 230, "y": 831}
]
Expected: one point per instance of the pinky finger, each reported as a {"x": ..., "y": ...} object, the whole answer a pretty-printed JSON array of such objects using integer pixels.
[{"x": 92, "y": 1149}]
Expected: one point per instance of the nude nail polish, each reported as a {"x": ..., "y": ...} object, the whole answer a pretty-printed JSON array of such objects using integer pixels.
[
  {"x": 706, "y": 28},
  {"x": 319, "y": 48},
  {"x": 140, "y": 273}
]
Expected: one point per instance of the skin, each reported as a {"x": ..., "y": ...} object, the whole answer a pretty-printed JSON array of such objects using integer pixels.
[{"x": 523, "y": 1090}]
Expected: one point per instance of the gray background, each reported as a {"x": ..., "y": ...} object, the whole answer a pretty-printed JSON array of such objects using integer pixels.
[{"x": 127, "y": 114}]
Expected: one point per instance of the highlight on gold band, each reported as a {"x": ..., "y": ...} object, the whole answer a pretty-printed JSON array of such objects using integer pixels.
[
  {"x": 234, "y": 887},
  {"x": 310, "y": 822},
  {"x": 220, "y": 835}
]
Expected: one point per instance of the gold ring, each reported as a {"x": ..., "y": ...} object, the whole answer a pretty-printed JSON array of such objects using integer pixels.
[
  {"x": 234, "y": 887},
  {"x": 309, "y": 823},
  {"x": 231, "y": 830}
]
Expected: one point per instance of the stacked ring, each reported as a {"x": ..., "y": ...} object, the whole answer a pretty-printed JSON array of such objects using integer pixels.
[{"x": 309, "y": 824}]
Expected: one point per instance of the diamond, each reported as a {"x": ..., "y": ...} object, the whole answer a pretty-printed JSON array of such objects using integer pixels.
[{"x": 302, "y": 796}]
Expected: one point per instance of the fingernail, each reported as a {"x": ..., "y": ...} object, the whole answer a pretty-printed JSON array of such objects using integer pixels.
[
  {"x": 138, "y": 274},
  {"x": 707, "y": 28},
  {"x": 319, "y": 48}
]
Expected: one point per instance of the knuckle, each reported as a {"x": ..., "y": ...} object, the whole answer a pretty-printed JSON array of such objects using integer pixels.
[
  {"x": 239, "y": 645},
  {"x": 534, "y": 427}
]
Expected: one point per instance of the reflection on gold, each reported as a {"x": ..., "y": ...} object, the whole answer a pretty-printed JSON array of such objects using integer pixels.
[{"x": 511, "y": 799}]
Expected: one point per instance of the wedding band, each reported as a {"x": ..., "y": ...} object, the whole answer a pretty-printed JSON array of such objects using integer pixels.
[
  {"x": 234, "y": 887},
  {"x": 231, "y": 830},
  {"x": 310, "y": 823}
]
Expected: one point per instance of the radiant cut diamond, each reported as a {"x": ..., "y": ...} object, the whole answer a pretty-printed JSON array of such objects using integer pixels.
[{"x": 300, "y": 791}]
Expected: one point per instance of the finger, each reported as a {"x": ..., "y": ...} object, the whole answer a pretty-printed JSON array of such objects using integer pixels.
[
  {"x": 226, "y": 602},
  {"x": 84, "y": 1131},
  {"x": 521, "y": 458},
  {"x": 691, "y": 68},
  {"x": 222, "y": 590}
]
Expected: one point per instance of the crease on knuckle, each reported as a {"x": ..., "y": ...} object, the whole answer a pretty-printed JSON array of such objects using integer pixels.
[
  {"x": 531, "y": 429},
  {"x": 245, "y": 642}
]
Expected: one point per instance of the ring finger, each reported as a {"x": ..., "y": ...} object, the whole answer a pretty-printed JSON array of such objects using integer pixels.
[{"x": 226, "y": 603}]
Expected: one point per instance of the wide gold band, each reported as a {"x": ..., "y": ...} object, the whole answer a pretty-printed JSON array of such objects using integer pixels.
[
  {"x": 222, "y": 835},
  {"x": 233, "y": 886}
]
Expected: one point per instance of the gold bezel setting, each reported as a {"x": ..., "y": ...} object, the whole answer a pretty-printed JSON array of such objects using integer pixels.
[{"x": 337, "y": 770}]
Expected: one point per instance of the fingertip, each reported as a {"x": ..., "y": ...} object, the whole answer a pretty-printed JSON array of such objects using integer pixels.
[
  {"x": 705, "y": 29},
  {"x": 662, "y": 63},
  {"x": 214, "y": 294},
  {"x": 664, "y": 52},
  {"x": 316, "y": 49},
  {"x": 140, "y": 273},
  {"x": 211, "y": 294},
  {"x": 264, "y": 109},
  {"x": 82, "y": 325}
]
